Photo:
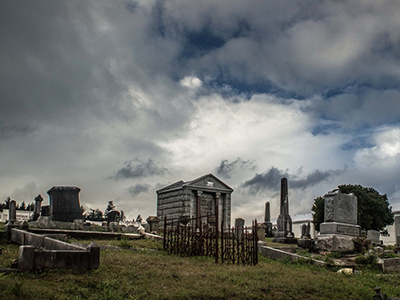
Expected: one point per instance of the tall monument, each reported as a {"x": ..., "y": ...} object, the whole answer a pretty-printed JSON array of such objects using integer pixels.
[
  {"x": 284, "y": 232},
  {"x": 267, "y": 221}
]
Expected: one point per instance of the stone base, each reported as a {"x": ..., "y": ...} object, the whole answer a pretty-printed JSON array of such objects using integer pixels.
[
  {"x": 285, "y": 240},
  {"x": 305, "y": 243},
  {"x": 340, "y": 229},
  {"x": 67, "y": 217},
  {"x": 334, "y": 243}
]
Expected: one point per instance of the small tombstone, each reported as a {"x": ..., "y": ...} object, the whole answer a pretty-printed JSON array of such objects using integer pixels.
[
  {"x": 239, "y": 226},
  {"x": 94, "y": 255},
  {"x": 12, "y": 213},
  {"x": 261, "y": 233},
  {"x": 36, "y": 210},
  {"x": 374, "y": 235},
  {"x": 154, "y": 223},
  {"x": 113, "y": 216}
]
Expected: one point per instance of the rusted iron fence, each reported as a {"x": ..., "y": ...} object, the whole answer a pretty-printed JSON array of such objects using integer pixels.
[{"x": 201, "y": 237}]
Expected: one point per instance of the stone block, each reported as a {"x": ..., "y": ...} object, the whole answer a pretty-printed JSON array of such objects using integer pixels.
[
  {"x": 94, "y": 255},
  {"x": 341, "y": 208},
  {"x": 391, "y": 264},
  {"x": 374, "y": 235},
  {"x": 26, "y": 257},
  {"x": 335, "y": 243},
  {"x": 339, "y": 229}
]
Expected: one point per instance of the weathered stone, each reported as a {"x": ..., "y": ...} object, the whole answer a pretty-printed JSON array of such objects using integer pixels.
[
  {"x": 261, "y": 233},
  {"x": 374, "y": 235},
  {"x": 154, "y": 223},
  {"x": 341, "y": 208},
  {"x": 239, "y": 225},
  {"x": 267, "y": 221},
  {"x": 339, "y": 228},
  {"x": 199, "y": 197},
  {"x": 284, "y": 232},
  {"x": 64, "y": 203},
  {"x": 391, "y": 264},
  {"x": 114, "y": 226},
  {"x": 335, "y": 243},
  {"x": 305, "y": 243},
  {"x": 12, "y": 213},
  {"x": 36, "y": 211}
]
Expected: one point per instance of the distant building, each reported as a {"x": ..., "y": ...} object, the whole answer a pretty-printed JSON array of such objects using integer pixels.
[
  {"x": 195, "y": 198},
  {"x": 22, "y": 215}
]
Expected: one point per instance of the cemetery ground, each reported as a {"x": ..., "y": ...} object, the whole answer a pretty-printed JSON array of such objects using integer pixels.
[{"x": 139, "y": 269}]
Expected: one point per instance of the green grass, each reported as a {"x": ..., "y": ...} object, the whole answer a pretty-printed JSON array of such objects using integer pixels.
[{"x": 129, "y": 274}]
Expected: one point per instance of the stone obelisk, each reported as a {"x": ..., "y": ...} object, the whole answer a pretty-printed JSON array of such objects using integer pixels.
[
  {"x": 284, "y": 232},
  {"x": 267, "y": 221}
]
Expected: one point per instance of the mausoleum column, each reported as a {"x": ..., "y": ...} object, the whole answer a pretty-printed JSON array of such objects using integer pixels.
[
  {"x": 198, "y": 206},
  {"x": 217, "y": 210}
]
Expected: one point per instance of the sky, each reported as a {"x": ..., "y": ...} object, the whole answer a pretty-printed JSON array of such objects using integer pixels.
[{"x": 121, "y": 98}]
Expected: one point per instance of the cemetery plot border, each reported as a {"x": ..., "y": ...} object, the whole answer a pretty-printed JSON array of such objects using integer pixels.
[{"x": 200, "y": 238}]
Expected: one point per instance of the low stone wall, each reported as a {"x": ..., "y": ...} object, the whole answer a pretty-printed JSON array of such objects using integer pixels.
[
  {"x": 40, "y": 252},
  {"x": 82, "y": 234},
  {"x": 280, "y": 254}
]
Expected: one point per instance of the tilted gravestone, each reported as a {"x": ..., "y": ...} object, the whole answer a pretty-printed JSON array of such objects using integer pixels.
[
  {"x": 340, "y": 214},
  {"x": 340, "y": 226},
  {"x": 64, "y": 203}
]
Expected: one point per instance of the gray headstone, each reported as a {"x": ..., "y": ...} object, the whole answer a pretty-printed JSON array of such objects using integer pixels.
[
  {"x": 64, "y": 203},
  {"x": 374, "y": 236},
  {"x": 12, "y": 213},
  {"x": 341, "y": 208},
  {"x": 239, "y": 225},
  {"x": 36, "y": 210}
]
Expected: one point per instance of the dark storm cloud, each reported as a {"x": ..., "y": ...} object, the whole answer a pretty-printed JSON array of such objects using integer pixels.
[
  {"x": 140, "y": 169},
  {"x": 270, "y": 180},
  {"x": 9, "y": 131},
  {"x": 226, "y": 168},
  {"x": 139, "y": 188}
]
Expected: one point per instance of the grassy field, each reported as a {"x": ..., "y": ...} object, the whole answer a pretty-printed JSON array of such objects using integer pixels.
[{"x": 135, "y": 272}]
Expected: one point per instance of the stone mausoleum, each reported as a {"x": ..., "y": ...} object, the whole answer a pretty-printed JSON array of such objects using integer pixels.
[{"x": 195, "y": 198}]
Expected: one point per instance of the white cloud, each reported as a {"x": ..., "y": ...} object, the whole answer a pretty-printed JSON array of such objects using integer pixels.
[{"x": 191, "y": 82}]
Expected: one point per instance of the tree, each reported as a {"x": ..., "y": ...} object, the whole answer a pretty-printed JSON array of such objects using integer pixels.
[
  {"x": 318, "y": 212},
  {"x": 373, "y": 209},
  {"x": 22, "y": 206},
  {"x": 94, "y": 215}
]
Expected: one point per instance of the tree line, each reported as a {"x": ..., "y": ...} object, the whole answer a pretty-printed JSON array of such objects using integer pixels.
[{"x": 22, "y": 206}]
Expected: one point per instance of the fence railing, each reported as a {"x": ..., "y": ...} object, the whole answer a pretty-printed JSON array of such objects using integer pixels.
[{"x": 201, "y": 237}]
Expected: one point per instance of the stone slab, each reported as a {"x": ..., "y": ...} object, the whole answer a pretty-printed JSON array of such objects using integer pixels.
[
  {"x": 391, "y": 264},
  {"x": 339, "y": 228},
  {"x": 341, "y": 208},
  {"x": 334, "y": 243}
]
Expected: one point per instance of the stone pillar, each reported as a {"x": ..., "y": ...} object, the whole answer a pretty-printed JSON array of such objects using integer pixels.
[
  {"x": 94, "y": 255},
  {"x": 36, "y": 210},
  {"x": 12, "y": 213},
  {"x": 217, "y": 209},
  {"x": 239, "y": 225},
  {"x": 198, "y": 208},
  {"x": 284, "y": 232},
  {"x": 267, "y": 221},
  {"x": 64, "y": 203}
]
